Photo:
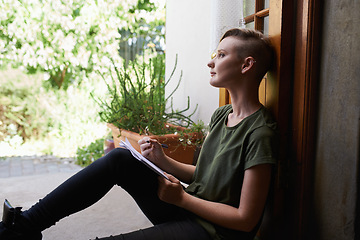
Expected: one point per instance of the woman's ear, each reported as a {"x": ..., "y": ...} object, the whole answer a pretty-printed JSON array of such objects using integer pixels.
[{"x": 248, "y": 64}]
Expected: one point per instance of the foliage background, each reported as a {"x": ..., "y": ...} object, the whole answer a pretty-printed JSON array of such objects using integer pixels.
[
  {"x": 71, "y": 39},
  {"x": 34, "y": 120},
  {"x": 51, "y": 53}
]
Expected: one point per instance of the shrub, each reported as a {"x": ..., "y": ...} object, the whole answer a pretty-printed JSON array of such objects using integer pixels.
[
  {"x": 21, "y": 115},
  {"x": 37, "y": 121},
  {"x": 88, "y": 154}
]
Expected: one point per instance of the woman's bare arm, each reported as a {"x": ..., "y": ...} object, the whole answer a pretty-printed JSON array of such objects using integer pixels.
[{"x": 244, "y": 218}]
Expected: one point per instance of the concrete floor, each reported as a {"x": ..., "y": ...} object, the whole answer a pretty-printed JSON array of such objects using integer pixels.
[{"x": 115, "y": 213}]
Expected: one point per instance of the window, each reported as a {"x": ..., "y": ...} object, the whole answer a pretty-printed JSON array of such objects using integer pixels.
[{"x": 257, "y": 15}]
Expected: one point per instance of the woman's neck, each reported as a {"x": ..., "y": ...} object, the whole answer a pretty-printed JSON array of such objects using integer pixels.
[{"x": 243, "y": 105}]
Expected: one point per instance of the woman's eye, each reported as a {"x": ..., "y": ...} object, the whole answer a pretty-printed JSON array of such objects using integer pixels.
[{"x": 217, "y": 55}]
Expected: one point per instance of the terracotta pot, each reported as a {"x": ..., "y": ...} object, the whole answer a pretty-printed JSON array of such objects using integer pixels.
[
  {"x": 180, "y": 152},
  {"x": 108, "y": 145}
]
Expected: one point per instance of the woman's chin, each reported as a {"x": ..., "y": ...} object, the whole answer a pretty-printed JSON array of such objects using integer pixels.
[{"x": 214, "y": 83}]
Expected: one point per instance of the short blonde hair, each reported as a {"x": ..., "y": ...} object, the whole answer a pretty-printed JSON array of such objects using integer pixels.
[{"x": 256, "y": 45}]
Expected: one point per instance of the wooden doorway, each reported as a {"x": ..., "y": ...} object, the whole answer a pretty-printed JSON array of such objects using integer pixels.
[{"x": 291, "y": 88}]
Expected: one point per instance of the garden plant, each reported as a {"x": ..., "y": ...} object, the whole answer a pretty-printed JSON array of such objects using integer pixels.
[{"x": 137, "y": 101}]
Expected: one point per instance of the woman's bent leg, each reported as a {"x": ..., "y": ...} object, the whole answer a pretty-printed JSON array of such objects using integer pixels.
[
  {"x": 93, "y": 182},
  {"x": 142, "y": 184}
]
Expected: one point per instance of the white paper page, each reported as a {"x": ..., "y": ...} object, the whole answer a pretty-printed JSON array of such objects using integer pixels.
[{"x": 141, "y": 158}]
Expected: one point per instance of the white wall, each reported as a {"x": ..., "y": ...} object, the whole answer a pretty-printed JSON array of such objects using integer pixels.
[{"x": 188, "y": 27}]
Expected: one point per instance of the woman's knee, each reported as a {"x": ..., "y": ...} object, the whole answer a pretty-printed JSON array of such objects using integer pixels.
[
  {"x": 121, "y": 162},
  {"x": 118, "y": 158}
]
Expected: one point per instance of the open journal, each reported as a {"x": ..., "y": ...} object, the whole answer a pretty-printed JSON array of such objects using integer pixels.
[{"x": 141, "y": 158}]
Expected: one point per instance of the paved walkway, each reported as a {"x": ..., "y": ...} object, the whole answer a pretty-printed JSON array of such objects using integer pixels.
[
  {"x": 25, "y": 180},
  {"x": 32, "y": 165}
]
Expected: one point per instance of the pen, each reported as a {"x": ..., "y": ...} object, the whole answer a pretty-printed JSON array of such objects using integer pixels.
[{"x": 162, "y": 144}]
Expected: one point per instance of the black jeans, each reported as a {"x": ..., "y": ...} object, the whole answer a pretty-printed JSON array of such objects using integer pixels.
[{"x": 93, "y": 182}]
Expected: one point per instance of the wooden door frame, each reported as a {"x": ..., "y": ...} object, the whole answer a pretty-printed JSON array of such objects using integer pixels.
[
  {"x": 304, "y": 114},
  {"x": 278, "y": 99},
  {"x": 294, "y": 27}
]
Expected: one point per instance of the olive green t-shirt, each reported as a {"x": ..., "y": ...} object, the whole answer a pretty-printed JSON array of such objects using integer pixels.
[{"x": 226, "y": 153}]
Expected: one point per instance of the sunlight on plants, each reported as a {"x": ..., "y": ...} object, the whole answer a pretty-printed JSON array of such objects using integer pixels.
[
  {"x": 50, "y": 54},
  {"x": 71, "y": 39}
]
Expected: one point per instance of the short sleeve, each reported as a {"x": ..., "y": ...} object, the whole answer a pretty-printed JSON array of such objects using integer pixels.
[{"x": 262, "y": 147}]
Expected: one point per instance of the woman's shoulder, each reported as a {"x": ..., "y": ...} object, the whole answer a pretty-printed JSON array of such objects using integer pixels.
[
  {"x": 267, "y": 119},
  {"x": 222, "y": 110},
  {"x": 262, "y": 117},
  {"x": 264, "y": 127},
  {"x": 219, "y": 113}
]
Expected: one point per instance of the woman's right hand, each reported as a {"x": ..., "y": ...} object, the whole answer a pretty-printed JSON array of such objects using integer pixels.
[{"x": 152, "y": 150}]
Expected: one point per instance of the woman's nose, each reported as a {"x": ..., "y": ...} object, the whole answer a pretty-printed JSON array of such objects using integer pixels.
[{"x": 211, "y": 63}]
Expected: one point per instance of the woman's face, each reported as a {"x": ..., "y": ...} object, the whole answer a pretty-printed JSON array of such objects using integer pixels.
[{"x": 226, "y": 66}]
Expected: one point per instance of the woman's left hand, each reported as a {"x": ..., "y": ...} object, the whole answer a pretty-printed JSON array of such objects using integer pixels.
[{"x": 170, "y": 191}]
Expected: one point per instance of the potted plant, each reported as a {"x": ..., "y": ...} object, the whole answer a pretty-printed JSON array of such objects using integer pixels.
[{"x": 137, "y": 106}]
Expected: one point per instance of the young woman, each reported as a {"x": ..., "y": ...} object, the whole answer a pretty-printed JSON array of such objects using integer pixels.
[{"x": 227, "y": 188}]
